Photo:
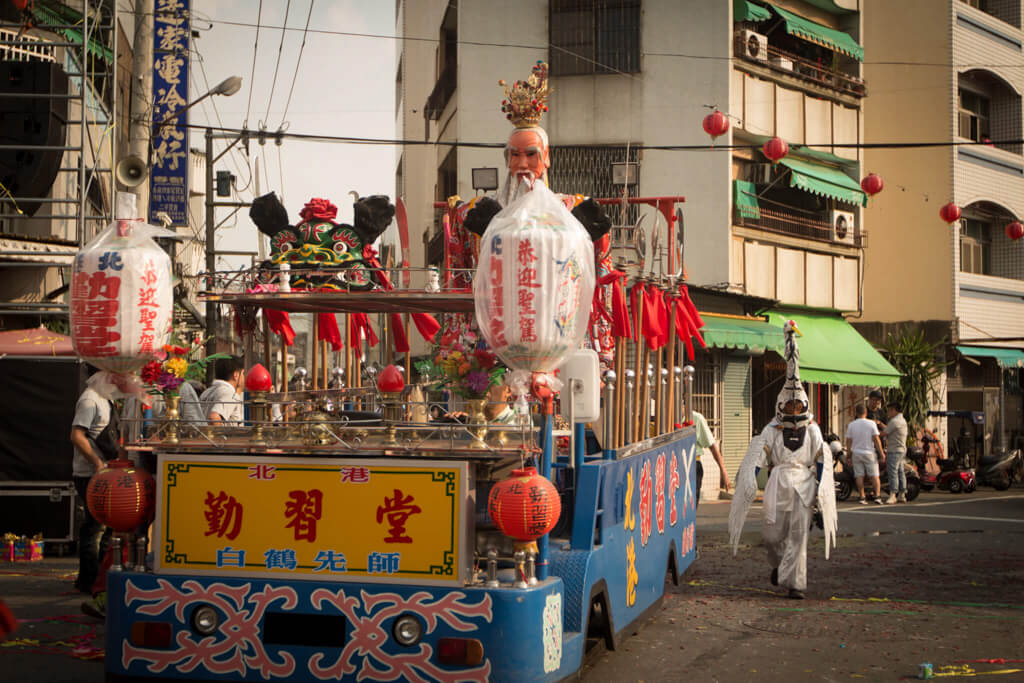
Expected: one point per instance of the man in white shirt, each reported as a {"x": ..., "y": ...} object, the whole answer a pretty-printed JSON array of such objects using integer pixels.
[
  {"x": 861, "y": 441},
  {"x": 222, "y": 402}
]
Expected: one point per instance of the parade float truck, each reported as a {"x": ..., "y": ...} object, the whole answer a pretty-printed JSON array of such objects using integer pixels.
[{"x": 341, "y": 533}]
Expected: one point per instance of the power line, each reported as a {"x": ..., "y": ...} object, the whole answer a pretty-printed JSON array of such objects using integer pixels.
[
  {"x": 280, "y": 48},
  {"x": 252, "y": 74},
  {"x": 295, "y": 78},
  {"x": 213, "y": 102}
]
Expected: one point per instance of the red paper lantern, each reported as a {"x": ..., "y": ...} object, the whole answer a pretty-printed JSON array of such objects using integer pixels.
[
  {"x": 525, "y": 506},
  {"x": 1015, "y": 230},
  {"x": 950, "y": 213},
  {"x": 775, "y": 149},
  {"x": 121, "y": 496},
  {"x": 390, "y": 380},
  {"x": 872, "y": 184},
  {"x": 716, "y": 123},
  {"x": 258, "y": 379}
]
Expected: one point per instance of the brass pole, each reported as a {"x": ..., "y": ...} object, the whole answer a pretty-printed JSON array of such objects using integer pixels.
[
  {"x": 323, "y": 368},
  {"x": 620, "y": 365},
  {"x": 670, "y": 363},
  {"x": 640, "y": 370},
  {"x": 658, "y": 411},
  {"x": 284, "y": 376}
]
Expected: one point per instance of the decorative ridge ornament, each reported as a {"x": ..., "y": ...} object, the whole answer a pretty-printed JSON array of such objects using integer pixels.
[{"x": 526, "y": 101}]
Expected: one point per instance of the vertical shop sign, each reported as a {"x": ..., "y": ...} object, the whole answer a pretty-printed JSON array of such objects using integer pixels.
[{"x": 168, "y": 178}]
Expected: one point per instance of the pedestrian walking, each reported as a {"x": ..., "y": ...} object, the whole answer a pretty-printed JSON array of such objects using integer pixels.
[
  {"x": 862, "y": 441},
  {"x": 895, "y": 452}
]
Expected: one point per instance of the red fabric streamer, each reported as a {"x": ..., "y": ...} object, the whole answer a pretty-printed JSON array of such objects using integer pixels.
[
  {"x": 597, "y": 309},
  {"x": 664, "y": 318},
  {"x": 622, "y": 326},
  {"x": 652, "y": 320},
  {"x": 281, "y": 324},
  {"x": 398, "y": 330},
  {"x": 636, "y": 294},
  {"x": 683, "y": 327},
  {"x": 696, "y": 322},
  {"x": 327, "y": 330},
  {"x": 370, "y": 256},
  {"x": 360, "y": 329},
  {"x": 426, "y": 324}
]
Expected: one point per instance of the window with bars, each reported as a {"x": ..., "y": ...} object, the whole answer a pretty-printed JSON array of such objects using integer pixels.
[
  {"x": 587, "y": 170},
  {"x": 707, "y": 390},
  {"x": 594, "y": 36},
  {"x": 976, "y": 247}
]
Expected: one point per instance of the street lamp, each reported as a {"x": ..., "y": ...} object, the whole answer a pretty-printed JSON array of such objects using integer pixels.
[{"x": 229, "y": 86}]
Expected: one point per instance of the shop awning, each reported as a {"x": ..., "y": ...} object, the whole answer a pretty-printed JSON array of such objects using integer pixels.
[
  {"x": 823, "y": 180},
  {"x": 748, "y": 11},
  {"x": 1007, "y": 358},
  {"x": 822, "y": 35},
  {"x": 734, "y": 332},
  {"x": 744, "y": 198},
  {"x": 833, "y": 352}
]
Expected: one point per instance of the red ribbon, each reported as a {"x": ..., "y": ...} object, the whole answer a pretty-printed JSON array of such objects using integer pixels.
[
  {"x": 398, "y": 331},
  {"x": 696, "y": 322},
  {"x": 426, "y": 324},
  {"x": 635, "y": 301},
  {"x": 327, "y": 330},
  {"x": 281, "y": 324},
  {"x": 597, "y": 309},
  {"x": 370, "y": 256},
  {"x": 652, "y": 329},
  {"x": 683, "y": 327},
  {"x": 621, "y": 324},
  {"x": 360, "y": 329}
]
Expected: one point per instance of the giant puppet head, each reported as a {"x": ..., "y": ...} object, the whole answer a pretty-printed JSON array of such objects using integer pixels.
[
  {"x": 791, "y": 406},
  {"x": 526, "y": 152}
]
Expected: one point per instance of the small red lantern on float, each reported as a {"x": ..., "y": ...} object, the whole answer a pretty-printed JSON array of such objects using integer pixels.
[
  {"x": 258, "y": 379},
  {"x": 872, "y": 184},
  {"x": 950, "y": 213},
  {"x": 525, "y": 506},
  {"x": 716, "y": 123},
  {"x": 775, "y": 149},
  {"x": 121, "y": 496},
  {"x": 390, "y": 380},
  {"x": 1015, "y": 231}
]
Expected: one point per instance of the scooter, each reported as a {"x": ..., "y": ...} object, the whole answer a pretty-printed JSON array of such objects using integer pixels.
[
  {"x": 944, "y": 474},
  {"x": 999, "y": 470}
]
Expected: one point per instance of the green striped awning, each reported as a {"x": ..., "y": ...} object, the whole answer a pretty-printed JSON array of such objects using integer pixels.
[
  {"x": 822, "y": 35},
  {"x": 1007, "y": 358},
  {"x": 823, "y": 180},
  {"x": 734, "y": 332},
  {"x": 46, "y": 16},
  {"x": 744, "y": 199},
  {"x": 748, "y": 11}
]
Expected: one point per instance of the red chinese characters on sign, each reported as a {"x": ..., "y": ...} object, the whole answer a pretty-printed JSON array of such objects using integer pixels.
[
  {"x": 263, "y": 472},
  {"x": 397, "y": 510},
  {"x": 497, "y": 321},
  {"x": 673, "y": 486},
  {"x": 94, "y": 307},
  {"x": 526, "y": 280},
  {"x": 659, "y": 488},
  {"x": 304, "y": 511},
  {"x": 223, "y": 515},
  {"x": 351, "y": 474},
  {"x": 645, "y": 503},
  {"x": 148, "y": 308}
]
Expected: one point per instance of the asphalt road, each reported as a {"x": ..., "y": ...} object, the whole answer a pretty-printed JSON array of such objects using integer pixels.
[{"x": 938, "y": 580}]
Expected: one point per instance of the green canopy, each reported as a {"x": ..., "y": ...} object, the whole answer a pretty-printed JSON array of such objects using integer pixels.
[
  {"x": 748, "y": 11},
  {"x": 822, "y": 35},
  {"x": 824, "y": 180},
  {"x": 744, "y": 199},
  {"x": 832, "y": 352},
  {"x": 1007, "y": 358},
  {"x": 734, "y": 332}
]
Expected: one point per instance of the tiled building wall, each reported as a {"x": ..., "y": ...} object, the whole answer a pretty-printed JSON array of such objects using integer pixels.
[
  {"x": 1006, "y": 119},
  {"x": 1007, "y": 255}
]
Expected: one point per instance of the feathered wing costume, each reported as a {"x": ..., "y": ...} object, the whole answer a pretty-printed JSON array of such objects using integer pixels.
[{"x": 772, "y": 446}]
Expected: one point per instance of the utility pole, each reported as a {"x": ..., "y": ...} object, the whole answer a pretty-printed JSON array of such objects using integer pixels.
[{"x": 142, "y": 87}]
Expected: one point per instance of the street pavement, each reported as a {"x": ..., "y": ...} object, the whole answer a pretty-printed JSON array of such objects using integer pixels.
[{"x": 940, "y": 580}]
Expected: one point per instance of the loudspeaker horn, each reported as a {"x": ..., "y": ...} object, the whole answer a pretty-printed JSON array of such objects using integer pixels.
[{"x": 131, "y": 171}]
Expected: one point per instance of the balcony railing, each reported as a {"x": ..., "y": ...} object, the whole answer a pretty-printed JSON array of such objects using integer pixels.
[
  {"x": 817, "y": 228},
  {"x": 814, "y": 72},
  {"x": 443, "y": 91}
]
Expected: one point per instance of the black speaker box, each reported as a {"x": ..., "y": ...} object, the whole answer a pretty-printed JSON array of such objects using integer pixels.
[{"x": 28, "y": 122}]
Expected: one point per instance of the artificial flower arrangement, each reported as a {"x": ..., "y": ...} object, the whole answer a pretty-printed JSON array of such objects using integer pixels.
[
  {"x": 468, "y": 371},
  {"x": 176, "y": 364}
]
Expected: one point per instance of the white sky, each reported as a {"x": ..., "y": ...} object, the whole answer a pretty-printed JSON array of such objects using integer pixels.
[{"x": 345, "y": 86}]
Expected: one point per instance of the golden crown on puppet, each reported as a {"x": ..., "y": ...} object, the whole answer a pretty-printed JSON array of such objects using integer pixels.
[{"x": 526, "y": 101}]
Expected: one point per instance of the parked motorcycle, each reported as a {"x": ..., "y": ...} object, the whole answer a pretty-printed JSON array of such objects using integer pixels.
[
  {"x": 999, "y": 470},
  {"x": 846, "y": 483},
  {"x": 945, "y": 474}
]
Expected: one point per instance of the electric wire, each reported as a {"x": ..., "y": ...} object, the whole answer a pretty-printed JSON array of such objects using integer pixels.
[
  {"x": 298, "y": 62},
  {"x": 213, "y": 103},
  {"x": 277, "y": 65},
  {"x": 252, "y": 74}
]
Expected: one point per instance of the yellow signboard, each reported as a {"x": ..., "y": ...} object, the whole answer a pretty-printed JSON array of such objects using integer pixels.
[{"x": 327, "y": 519}]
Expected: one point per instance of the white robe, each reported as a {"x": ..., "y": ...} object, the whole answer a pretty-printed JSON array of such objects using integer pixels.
[{"x": 788, "y": 498}]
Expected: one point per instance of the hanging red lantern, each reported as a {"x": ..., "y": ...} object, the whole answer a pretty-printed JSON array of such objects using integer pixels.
[
  {"x": 950, "y": 213},
  {"x": 121, "y": 496},
  {"x": 525, "y": 506},
  {"x": 872, "y": 184},
  {"x": 390, "y": 380},
  {"x": 258, "y": 379},
  {"x": 716, "y": 123},
  {"x": 775, "y": 149},
  {"x": 1015, "y": 231}
]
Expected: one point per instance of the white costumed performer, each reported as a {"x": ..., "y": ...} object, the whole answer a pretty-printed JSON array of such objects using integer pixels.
[{"x": 792, "y": 445}]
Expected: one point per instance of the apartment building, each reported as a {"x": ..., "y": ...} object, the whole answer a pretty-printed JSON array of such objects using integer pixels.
[
  {"x": 633, "y": 79},
  {"x": 957, "y": 76}
]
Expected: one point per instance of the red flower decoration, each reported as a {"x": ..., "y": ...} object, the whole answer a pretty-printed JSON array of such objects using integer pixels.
[
  {"x": 319, "y": 208},
  {"x": 486, "y": 359},
  {"x": 151, "y": 372}
]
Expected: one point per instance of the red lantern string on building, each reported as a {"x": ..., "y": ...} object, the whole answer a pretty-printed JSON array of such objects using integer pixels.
[
  {"x": 775, "y": 149},
  {"x": 1015, "y": 231},
  {"x": 715, "y": 124},
  {"x": 390, "y": 380},
  {"x": 121, "y": 496},
  {"x": 525, "y": 506},
  {"x": 950, "y": 213},
  {"x": 872, "y": 184},
  {"x": 258, "y": 379}
]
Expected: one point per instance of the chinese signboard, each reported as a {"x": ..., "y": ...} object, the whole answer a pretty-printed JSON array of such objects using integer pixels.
[
  {"x": 337, "y": 520},
  {"x": 168, "y": 178}
]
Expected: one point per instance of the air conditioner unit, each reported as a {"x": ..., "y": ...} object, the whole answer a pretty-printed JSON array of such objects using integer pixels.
[
  {"x": 759, "y": 174},
  {"x": 752, "y": 45},
  {"x": 782, "y": 63},
  {"x": 843, "y": 228}
]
